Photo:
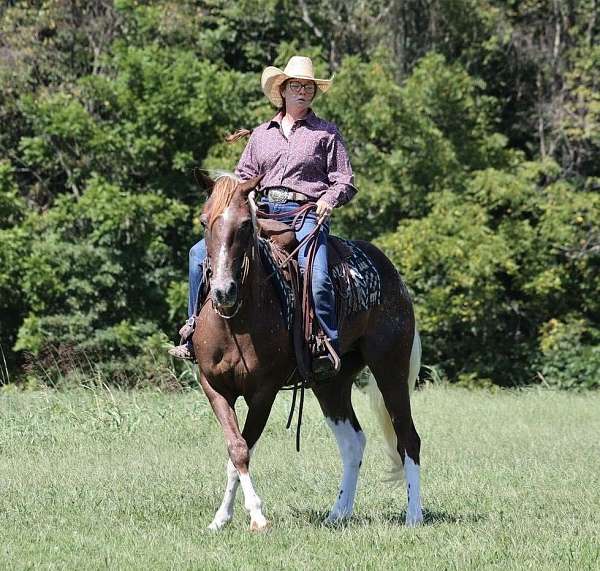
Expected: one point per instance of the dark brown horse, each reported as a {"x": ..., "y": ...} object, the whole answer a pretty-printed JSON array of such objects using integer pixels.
[{"x": 244, "y": 349}]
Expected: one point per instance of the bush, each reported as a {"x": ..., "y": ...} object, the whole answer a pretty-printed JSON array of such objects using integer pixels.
[{"x": 570, "y": 354}]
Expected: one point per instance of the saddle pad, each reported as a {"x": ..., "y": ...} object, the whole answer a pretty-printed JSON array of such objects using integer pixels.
[
  {"x": 355, "y": 279},
  {"x": 356, "y": 282}
]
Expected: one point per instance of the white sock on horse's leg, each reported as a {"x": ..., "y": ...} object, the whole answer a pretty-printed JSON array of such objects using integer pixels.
[
  {"x": 225, "y": 511},
  {"x": 253, "y": 504},
  {"x": 351, "y": 444},
  {"x": 412, "y": 473}
]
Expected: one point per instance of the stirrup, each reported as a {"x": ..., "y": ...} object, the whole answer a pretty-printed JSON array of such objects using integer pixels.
[
  {"x": 337, "y": 361},
  {"x": 187, "y": 329},
  {"x": 326, "y": 363}
]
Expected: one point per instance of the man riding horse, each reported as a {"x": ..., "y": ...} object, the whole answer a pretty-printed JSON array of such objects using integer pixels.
[{"x": 303, "y": 159}]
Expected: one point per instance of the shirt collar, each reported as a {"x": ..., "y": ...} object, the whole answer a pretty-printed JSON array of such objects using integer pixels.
[{"x": 310, "y": 119}]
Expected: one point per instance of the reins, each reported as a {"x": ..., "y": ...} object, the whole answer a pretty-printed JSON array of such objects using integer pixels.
[{"x": 300, "y": 215}]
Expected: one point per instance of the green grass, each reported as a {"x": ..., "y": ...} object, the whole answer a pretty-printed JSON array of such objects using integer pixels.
[{"x": 92, "y": 480}]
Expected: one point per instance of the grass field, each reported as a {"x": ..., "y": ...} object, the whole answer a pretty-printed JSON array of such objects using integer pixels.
[{"x": 94, "y": 480}]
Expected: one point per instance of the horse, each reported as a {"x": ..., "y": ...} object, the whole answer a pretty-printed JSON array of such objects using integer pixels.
[{"x": 243, "y": 349}]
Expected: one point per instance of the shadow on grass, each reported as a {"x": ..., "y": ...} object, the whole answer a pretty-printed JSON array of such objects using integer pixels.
[
  {"x": 434, "y": 517},
  {"x": 430, "y": 517}
]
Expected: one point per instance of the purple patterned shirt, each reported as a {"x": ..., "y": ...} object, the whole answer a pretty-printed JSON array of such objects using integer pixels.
[{"x": 314, "y": 160}]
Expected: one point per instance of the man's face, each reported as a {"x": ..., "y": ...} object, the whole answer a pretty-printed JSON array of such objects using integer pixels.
[{"x": 299, "y": 93}]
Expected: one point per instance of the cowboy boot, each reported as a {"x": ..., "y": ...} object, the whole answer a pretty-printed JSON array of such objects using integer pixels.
[
  {"x": 327, "y": 363},
  {"x": 185, "y": 350}
]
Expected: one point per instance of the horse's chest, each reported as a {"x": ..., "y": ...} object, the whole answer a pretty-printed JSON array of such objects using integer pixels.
[
  {"x": 228, "y": 351},
  {"x": 219, "y": 358}
]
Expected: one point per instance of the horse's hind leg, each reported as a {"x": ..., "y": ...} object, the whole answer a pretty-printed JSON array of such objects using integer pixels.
[
  {"x": 335, "y": 400},
  {"x": 395, "y": 368}
]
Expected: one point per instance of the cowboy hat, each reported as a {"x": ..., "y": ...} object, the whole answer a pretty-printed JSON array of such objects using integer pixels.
[{"x": 299, "y": 67}]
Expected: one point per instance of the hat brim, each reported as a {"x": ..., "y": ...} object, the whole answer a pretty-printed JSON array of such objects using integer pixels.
[{"x": 273, "y": 77}]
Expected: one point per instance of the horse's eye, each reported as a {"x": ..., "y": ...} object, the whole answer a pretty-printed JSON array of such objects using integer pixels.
[
  {"x": 203, "y": 221},
  {"x": 246, "y": 225}
]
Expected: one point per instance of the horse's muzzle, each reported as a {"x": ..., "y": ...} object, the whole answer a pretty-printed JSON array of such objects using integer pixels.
[{"x": 225, "y": 293}]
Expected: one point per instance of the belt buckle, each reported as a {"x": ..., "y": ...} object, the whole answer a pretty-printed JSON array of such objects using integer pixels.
[{"x": 278, "y": 195}]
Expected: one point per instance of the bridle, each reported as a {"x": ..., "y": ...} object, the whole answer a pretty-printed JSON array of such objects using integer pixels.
[
  {"x": 300, "y": 215},
  {"x": 244, "y": 274}
]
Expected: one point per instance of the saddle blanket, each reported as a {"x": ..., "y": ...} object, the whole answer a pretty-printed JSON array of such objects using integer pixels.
[{"x": 356, "y": 282}]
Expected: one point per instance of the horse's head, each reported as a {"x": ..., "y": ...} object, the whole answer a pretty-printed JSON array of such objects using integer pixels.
[{"x": 228, "y": 219}]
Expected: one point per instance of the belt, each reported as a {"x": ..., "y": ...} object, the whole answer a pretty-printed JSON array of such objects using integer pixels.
[{"x": 281, "y": 195}]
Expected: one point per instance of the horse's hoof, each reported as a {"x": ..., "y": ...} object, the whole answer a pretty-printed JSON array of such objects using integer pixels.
[
  {"x": 414, "y": 519},
  {"x": 336, "y": 520},
  {"x": 259, "y": 525},
  {"x": 218, "y": 524}
]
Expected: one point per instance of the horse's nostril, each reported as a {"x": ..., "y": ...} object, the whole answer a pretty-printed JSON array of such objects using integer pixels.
[
  {"x": 225, "y": 293},
  {"x": 232, "y": 289}
]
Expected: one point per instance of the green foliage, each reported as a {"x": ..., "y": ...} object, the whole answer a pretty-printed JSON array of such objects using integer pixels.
[
  {"x": 99, "y": 278},
  {"x": 490, "y": 266},
  {"x": 473, "y": 128},
  {"x": 457, "y": 267},
  {"x": 409, "y": 141},
  {"x": 144, "y": 129},
  {"x": 570, "y": 354},
  {"x": 12, "y": 207}
]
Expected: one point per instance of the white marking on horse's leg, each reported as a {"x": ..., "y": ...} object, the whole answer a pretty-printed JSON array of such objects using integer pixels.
[
  {"x": 225, "y": 511},
  {"x": 253, "y": 504},
  {"x": 414, "y": 512},
  {"x": 351, "y": 444}
]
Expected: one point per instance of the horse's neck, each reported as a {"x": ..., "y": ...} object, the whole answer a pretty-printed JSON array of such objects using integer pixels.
[
  {"x": 260, "y": 291},
  {"x": 255, "y": 342}
]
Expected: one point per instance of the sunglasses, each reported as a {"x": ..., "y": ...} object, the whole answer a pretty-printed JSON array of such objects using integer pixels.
[{"x": 296, "y": 86}]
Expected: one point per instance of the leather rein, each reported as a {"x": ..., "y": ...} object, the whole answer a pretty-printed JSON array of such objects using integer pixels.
[{"x": 300, "y": 215}]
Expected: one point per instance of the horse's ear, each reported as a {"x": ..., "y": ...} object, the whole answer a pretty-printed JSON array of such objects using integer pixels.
[
  {"x": 249, "y": 185},
  {"x": 202, "y": 178}
]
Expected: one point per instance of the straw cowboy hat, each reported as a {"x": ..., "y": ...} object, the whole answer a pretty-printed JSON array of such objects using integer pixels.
[{"x": 299, "y": 67}]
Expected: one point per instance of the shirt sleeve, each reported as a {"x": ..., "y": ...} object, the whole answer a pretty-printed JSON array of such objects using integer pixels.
[
  {"x": 248, "y": 166},
  {"x": 339, "y": 173}
]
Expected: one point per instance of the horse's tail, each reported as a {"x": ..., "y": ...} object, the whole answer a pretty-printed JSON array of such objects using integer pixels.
[{"x": 396, "y": 473}]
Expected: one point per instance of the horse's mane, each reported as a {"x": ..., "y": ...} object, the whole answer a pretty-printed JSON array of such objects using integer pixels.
[{"x": 221, "y": 196}]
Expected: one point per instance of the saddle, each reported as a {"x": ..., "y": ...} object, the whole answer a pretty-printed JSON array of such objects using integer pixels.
[
  {"x": 284, "y": 238},
  {"x": 309, "y": 341}
]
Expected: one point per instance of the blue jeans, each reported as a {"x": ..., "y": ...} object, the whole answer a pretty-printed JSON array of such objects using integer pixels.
[
  {"x": 197, "y": 256},
  {"x": 322, "y": 288}
]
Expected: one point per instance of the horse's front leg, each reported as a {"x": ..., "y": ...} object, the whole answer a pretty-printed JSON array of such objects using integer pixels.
[
  {"x": 238, "y": 446},
  {"x": 225, "y": 413},
  {"x": 225, "y": 511},
  {"x": 259, "y": 408}
]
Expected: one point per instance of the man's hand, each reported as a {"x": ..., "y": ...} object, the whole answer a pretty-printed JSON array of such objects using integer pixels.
[{"x": 323, "y": 210}]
